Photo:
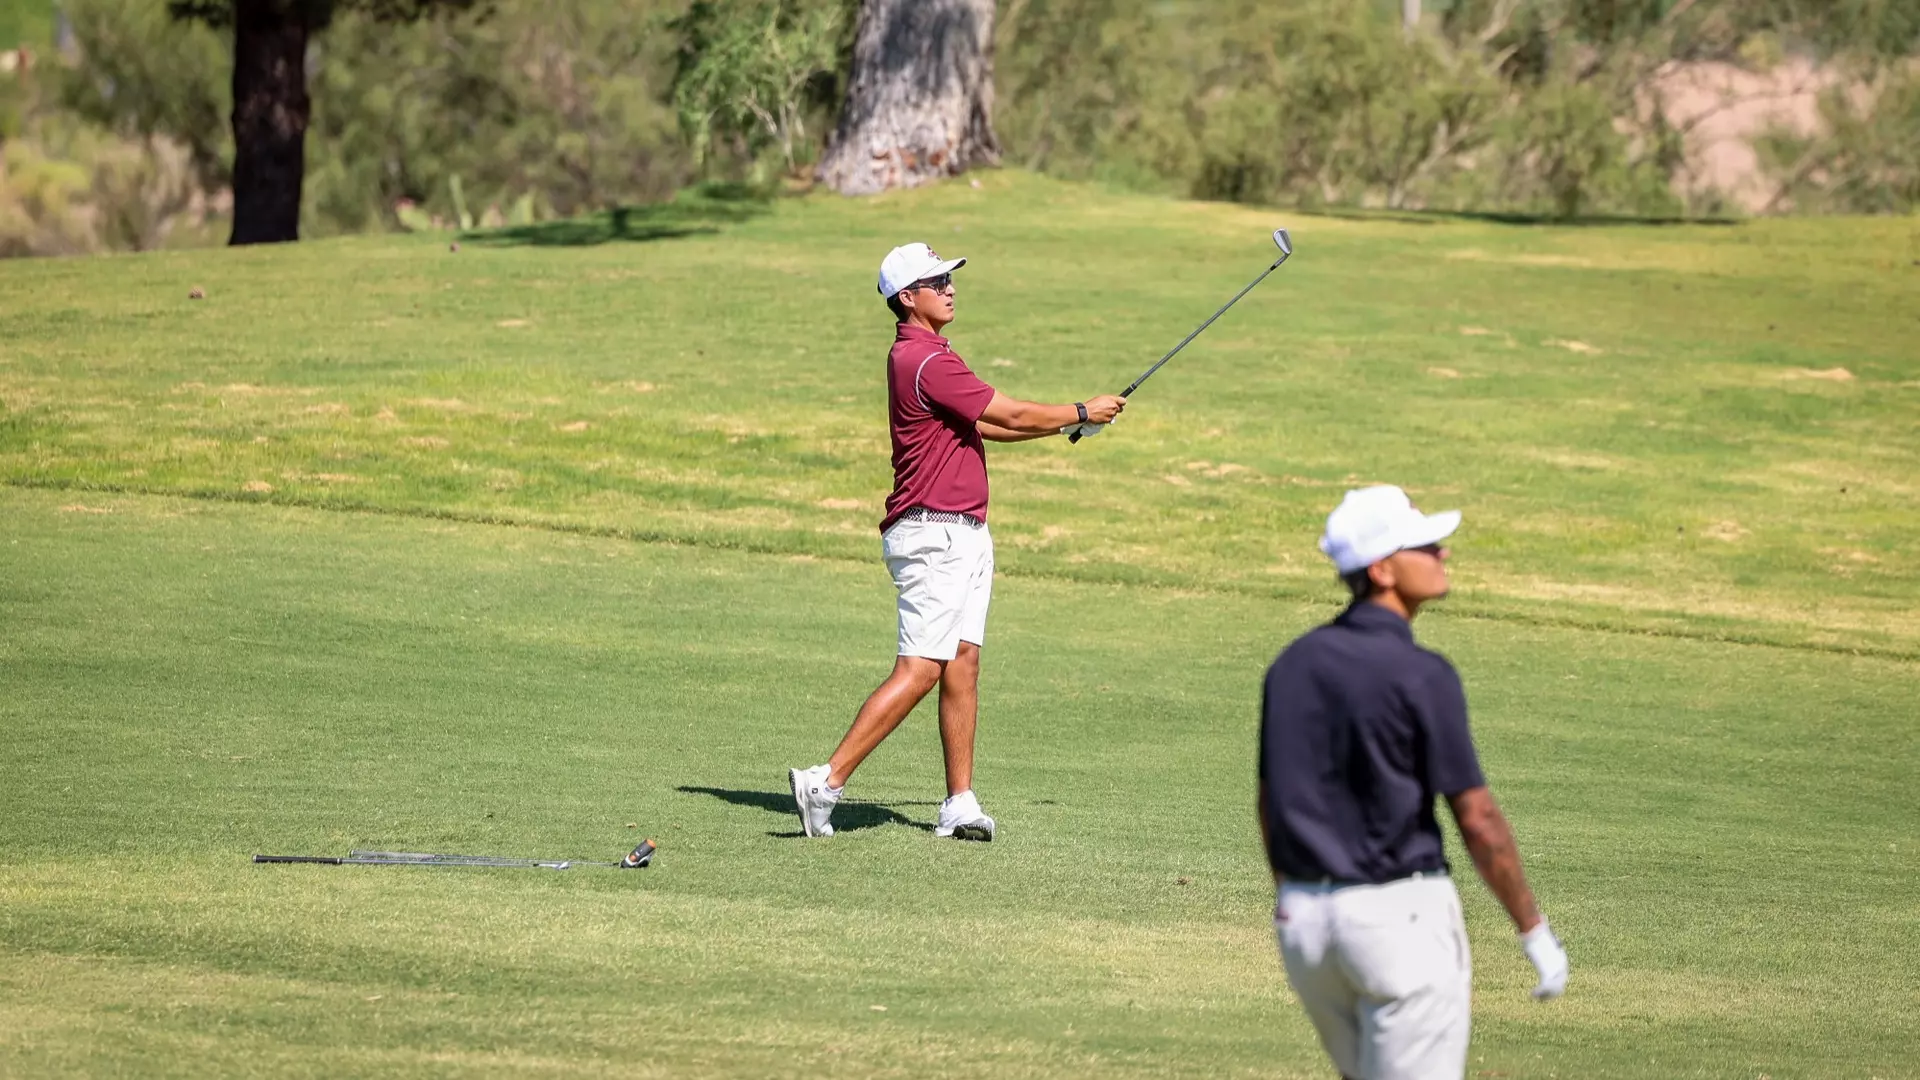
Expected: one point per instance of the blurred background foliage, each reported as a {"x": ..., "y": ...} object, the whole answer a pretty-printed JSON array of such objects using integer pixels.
[{"x": 114, "y": 116}]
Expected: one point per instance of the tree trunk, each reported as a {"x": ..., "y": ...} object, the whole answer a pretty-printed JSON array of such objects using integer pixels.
[
  {"x": 270, "y": 108},
  {"x": 920, "y": 102}
]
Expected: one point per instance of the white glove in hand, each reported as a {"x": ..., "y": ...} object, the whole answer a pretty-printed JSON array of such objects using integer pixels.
[
  {"x": 1083, "y": 430},
  {"x": 1549, "y": 959}
]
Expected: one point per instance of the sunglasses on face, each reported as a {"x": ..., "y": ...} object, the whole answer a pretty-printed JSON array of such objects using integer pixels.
[
  {"x": 1434, "y": 550},
  {"x": 937, "y": 284}
]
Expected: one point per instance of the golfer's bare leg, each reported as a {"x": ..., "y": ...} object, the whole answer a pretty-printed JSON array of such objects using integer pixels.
[
  {"x": 889, "y": 704},
  {"x": 959, "y": 715}
]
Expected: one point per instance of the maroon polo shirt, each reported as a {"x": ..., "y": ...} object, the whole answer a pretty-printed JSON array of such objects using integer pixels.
[{"x": 933, "y": 402}]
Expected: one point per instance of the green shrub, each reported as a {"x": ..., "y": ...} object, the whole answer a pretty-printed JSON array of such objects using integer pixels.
[
  {"x": 750, "y": 74},
  {"x": 550, "y": 109},
  {"x": 70, "y": 185},
  {"x": 1867, "y": 160},
  {"x": 543, "y": 109},
  {"x": 142, "y": 74},
  {"x": 70, "y": 188},
  {"x": 1332, "y": 104},
  {"x": 1525, "y": 106}
]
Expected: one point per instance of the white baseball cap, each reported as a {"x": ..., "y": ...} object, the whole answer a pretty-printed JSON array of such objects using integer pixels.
[
  {"x": 1374, "y": 522},
  {"x": 909, "y": 263}
]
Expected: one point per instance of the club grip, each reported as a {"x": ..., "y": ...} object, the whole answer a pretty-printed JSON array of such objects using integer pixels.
[
  {"x": 1074, "y": 438},
  {"x": 329, "y": 860}
]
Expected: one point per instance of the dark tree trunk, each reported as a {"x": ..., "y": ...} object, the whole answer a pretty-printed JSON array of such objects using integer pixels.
[
  {"x": 270, "y": 109},
  {"x": 920, "y": 100}
]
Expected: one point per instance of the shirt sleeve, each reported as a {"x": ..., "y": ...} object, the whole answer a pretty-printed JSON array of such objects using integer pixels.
[
  {"x": 946, "y": 383},
  {"x": 1452, "y": 764}
]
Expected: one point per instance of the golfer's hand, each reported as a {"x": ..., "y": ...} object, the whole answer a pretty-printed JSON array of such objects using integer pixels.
[
  {"x": 1549, "y": 959},
  {"x": 1083, "y": 430},
  {"x": 1103, "y": 409}
]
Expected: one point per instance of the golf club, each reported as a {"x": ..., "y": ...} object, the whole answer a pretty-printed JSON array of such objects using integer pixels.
[
  {"x": 1280, "y": 240},
  {"x": 639, "y": 858}
]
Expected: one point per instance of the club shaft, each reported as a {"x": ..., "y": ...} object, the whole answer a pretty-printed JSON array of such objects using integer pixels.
[
  {"x": 428, "y": 856},
  {"x": 1145, "y": 375},
  {"x": 1135, "y": 385},
  {"x": 391, "y": 860},
  {"x": 425, "y": 858},
  {"x": 409, "y": 858}
]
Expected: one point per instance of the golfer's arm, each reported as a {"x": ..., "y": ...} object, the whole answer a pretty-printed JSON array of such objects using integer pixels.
[
  {"x": 996, "y": 433},
  {"x": 1028, "y": 419},
  {"x": 1489, "y": 839}
]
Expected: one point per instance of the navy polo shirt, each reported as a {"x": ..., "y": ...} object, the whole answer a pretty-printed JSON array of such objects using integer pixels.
[{"x": 1360, "y": 729}]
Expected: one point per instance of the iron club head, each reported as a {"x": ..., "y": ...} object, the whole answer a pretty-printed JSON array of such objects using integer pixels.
[{"x": 1282, "y": 241}]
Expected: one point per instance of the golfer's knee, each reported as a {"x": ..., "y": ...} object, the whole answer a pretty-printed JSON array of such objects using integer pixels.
[
  {"x": 960, "y": 673},
  {"x": 920, "y": 673},
  {"x": 966, "y": 658}
]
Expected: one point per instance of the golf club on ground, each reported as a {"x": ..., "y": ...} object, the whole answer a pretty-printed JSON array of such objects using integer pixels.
[
  {"x": 639, "y": 858},
  {"x": 1280, "y": 240}
]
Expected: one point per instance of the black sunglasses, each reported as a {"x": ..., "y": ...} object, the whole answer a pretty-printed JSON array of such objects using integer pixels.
[{"x": 937, "y": 284}]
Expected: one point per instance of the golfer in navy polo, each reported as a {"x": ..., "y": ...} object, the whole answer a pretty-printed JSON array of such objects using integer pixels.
[
  {"x": 1361, "y": 730},
  {"x": 934, "y": 536}
]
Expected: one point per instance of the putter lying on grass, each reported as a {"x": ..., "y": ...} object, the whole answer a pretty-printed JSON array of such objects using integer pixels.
[
  {"x": 1280, "y": 240},
  {"x": 637, "y": 859}
]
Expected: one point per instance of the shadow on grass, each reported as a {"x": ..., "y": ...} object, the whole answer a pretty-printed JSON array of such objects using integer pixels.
[
  {"x": 851, "y": 815},
  {"x": 700, "y": 211}
]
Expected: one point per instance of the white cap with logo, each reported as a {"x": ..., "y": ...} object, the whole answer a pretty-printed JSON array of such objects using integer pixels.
[
  {"x": 1374, "y": 522},
  {"x": 909, "y": 263}
]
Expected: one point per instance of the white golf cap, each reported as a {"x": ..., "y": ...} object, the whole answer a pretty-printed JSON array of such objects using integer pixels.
[
  {"x": 909, "y": 263},
  {"x": 1374, "y": 522}
]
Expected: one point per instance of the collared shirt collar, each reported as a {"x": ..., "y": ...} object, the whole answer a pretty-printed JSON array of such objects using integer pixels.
[
  {"x": 913, "y": 332},
  {"x": 1371, "y": 617}
]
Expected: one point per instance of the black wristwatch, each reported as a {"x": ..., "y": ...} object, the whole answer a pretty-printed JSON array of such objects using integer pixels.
[{"x": 1081, "y": 407}]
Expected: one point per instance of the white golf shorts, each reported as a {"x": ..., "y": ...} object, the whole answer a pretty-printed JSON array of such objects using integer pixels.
[
  {"x": 1384, "y": 974},
  {"x": 944, "y": 572}
]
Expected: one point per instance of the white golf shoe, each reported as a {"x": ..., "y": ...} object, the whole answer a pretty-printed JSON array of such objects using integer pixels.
[
  {"x": 962, "y": 818},
  {"x": 814, "y": 799}
]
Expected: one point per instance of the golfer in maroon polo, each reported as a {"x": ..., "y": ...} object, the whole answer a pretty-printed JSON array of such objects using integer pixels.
[{"x": 935, "y": 536}]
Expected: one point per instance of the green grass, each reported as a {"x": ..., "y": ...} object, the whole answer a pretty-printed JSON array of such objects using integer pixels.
[
  {"x": 1626, "y": 413},
  {"x": 27, "y": 22},
  {"x": 333, "y": 558}
]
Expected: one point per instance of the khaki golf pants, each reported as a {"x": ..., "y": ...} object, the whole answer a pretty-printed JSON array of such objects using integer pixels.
[{"x": 1384, "y": 973}]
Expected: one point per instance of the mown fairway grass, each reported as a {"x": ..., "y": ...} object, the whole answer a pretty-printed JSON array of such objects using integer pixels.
[{"x": 383, "y": 545}]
